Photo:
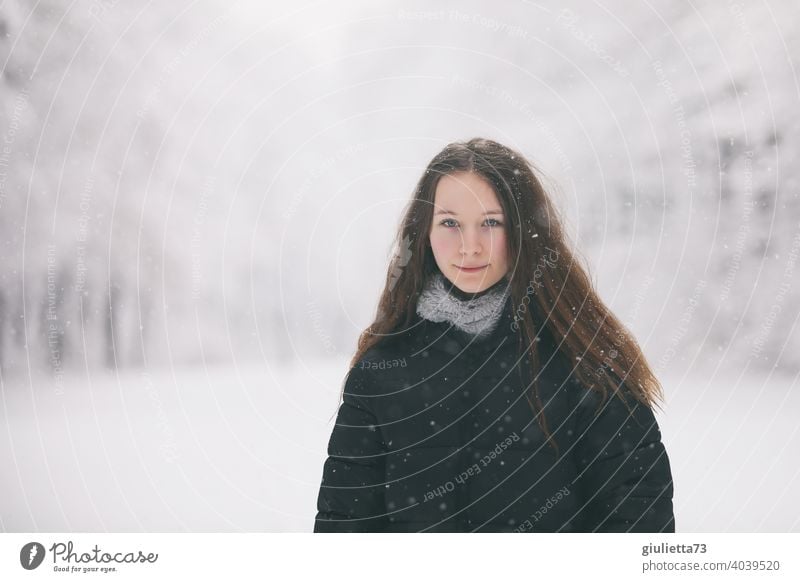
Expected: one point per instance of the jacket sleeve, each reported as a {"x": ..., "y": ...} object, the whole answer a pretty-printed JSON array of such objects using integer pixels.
[
  {"x": 351, "y": 496},
  {"x": 624, "y": 471}
]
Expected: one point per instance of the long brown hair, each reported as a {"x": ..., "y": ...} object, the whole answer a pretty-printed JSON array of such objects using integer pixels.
[{"x": 543, "y": 274}]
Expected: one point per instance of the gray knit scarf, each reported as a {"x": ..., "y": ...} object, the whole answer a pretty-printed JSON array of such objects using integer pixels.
[{"x": 477, "y": 316}]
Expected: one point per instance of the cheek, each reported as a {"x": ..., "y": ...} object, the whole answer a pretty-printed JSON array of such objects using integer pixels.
[
  {"x": 497, "y": 243},
  {"x": 442, "y": 244}
]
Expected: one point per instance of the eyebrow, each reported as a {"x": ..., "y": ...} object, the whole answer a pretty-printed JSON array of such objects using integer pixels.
[{"x": 456, "y": 214}]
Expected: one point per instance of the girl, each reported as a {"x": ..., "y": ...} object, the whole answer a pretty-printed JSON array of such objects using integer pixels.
[{"x": 494, "y": 392}]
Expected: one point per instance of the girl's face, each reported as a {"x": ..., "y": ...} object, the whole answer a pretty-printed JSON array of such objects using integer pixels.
[{"x": 468, "y": 231}]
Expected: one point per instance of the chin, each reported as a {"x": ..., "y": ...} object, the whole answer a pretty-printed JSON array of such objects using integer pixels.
[{"x": 468, "y": 286}]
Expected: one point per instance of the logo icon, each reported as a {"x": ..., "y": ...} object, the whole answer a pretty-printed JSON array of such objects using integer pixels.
[
  {"x": 402, "y": 258},
  {"x": 31, "y": 555}
]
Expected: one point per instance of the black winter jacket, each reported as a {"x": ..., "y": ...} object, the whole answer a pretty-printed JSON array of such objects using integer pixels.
[{"x": 435, "y": 434}]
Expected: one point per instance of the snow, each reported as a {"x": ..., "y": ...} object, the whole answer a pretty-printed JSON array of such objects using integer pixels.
[
  {"x": 192, "y": 185},
  {"x": 241, "y": 449},
  {"x": 197, "y": 450}
]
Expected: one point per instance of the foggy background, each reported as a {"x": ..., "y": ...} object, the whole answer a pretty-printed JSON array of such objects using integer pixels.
[{"x": 198, "y": 201}]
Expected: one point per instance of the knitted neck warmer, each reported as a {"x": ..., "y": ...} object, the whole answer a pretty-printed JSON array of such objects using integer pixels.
[{"x": 474, "y": 313}]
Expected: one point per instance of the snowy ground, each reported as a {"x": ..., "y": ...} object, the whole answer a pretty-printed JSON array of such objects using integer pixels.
[{"x": 242, "y": 449}]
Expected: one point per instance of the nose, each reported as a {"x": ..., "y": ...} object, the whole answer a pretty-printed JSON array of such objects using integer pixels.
[{"x": 471, "y": 243}]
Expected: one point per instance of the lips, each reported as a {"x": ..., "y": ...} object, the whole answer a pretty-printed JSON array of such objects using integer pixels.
[{"x": 468, "y": 269}]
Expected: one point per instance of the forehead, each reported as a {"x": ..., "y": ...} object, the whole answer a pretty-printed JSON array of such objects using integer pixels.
[{"x": 465, "y": 191}]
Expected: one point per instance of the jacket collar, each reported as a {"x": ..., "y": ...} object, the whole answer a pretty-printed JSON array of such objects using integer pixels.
[
  {"x": 446, "y": 336},
  {"x": 475, "y": 314}
]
